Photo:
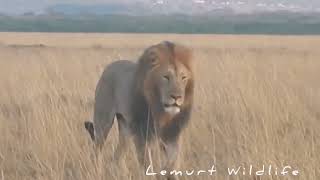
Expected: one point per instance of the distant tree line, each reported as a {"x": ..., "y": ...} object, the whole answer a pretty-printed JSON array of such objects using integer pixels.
[{"x": 219, "y": 24}]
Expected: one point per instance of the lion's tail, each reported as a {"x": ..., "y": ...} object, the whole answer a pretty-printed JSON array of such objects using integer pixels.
[{"x": 89, "y": 127}]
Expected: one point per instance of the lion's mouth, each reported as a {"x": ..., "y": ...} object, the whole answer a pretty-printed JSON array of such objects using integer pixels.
[{"x": 172, "y": 109}]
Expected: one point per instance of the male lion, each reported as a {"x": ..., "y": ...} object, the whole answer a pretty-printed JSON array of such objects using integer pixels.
[{"x": 151, "y": 99}]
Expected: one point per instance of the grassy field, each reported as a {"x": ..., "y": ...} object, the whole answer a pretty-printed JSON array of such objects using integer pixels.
[{"x": 257, "y": 103}]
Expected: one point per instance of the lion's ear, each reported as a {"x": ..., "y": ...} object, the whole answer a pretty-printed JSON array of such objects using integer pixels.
[
  {"x": 153, "y": 59},
  {"x": 150, "y": 57}
]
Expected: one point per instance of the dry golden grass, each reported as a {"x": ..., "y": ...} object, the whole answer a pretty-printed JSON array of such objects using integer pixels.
[{"x": 257, "y": 102}]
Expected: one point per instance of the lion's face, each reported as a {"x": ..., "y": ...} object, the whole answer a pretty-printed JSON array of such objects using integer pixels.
[
  {"x": 168, "y": 79},
  {"x": 171, "y": 81}
]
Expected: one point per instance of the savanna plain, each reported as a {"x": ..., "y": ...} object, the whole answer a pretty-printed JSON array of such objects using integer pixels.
[{"x": 257, "y": 102}]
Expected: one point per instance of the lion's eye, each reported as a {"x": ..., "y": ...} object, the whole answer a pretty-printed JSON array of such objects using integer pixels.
[
  {"x": 153, "y": 61},
  {"x": 184, "y": 78},
  {"x": 166, "y": 78}
]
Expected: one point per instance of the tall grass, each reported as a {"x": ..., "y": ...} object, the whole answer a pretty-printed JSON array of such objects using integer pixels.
[{"x": 257, "y": 102}]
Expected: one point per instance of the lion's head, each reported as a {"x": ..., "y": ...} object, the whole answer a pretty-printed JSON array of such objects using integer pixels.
[{"x": 166, "y": 77}]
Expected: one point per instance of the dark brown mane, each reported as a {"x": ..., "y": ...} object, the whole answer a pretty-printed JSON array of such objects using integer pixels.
[{"x": 145, "y": 122}]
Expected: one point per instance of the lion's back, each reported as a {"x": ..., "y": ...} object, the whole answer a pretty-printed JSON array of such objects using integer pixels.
[{"x": 117, "y": 68}]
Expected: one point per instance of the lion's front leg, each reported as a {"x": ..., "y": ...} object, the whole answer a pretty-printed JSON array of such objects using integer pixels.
[{"x": 171, "y": 151}]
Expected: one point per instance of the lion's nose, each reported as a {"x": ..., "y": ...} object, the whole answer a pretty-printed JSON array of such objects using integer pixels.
[{"x": 176, "y": 97}]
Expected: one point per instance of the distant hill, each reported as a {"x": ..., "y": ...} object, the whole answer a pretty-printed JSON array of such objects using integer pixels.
[
  {"x": 143, "y": 7},
  {"x": 96, "y": 9}
]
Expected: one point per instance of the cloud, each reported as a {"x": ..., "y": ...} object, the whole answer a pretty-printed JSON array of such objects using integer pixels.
[{"x": 21, "y": 6}]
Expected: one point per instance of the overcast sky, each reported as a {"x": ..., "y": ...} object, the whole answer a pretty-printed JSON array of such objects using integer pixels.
[{"x": 21, "y": 6}]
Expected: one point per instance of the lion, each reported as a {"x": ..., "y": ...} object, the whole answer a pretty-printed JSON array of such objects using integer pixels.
[{"x": 151, "y": 99}]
